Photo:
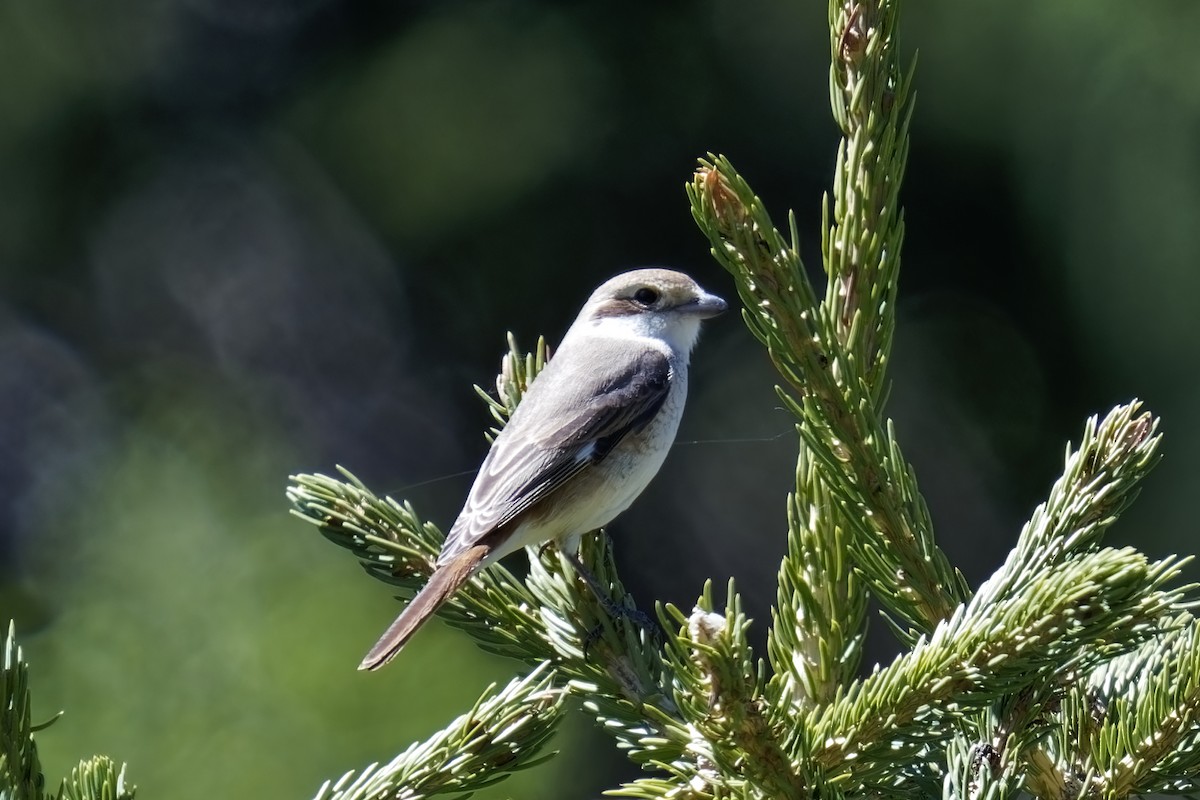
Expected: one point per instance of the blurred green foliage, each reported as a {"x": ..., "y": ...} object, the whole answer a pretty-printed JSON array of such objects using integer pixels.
[
  {"x": 196, "y": 640},
  {"x": 241, "y": 240}
]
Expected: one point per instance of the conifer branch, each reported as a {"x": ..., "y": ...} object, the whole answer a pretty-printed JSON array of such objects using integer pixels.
[
  {"x": 1099, "y": 481},
  {"x": 861, "y": 255},
  {"x": 721, "y": 695},
  {"x": 97, "y": 778},
  {"x": 1133, "y": 727},
  {"x": 395, "y": 546},
  {"x": 835, "y": 355},
  {"x": 863, "y": 232},
  {"x": 1110, "y": 599},
  {"x": 20, "y": 770},
  {"x": 613, "y": 663},
  {"x": 866, "y": 471},
  {"x": 504, "y": 732},
  {"x": 819, "y": 620},
  {"x": 21, "y": 778}
]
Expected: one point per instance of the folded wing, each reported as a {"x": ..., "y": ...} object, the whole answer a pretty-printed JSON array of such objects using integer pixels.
[{"x": 526, "y": 466}]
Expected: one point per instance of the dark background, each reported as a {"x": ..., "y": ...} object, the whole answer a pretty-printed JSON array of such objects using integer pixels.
[{"x": 245, "y": 238}]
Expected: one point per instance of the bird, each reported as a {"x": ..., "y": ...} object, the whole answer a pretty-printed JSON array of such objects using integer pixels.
[{"x": 590, "y": 432}]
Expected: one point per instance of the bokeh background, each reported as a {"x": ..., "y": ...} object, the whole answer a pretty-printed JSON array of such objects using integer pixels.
[{"x": 245, "y": 238}]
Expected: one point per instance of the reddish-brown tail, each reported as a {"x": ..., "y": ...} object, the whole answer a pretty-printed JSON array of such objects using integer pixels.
[{"x": 444, "y": 582}]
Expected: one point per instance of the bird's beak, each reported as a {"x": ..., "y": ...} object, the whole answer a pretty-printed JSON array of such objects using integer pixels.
[{"x": 706, "y": 305}]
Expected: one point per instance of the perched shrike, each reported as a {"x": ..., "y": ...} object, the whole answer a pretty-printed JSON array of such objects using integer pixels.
[{"x": 590, "y": 432}]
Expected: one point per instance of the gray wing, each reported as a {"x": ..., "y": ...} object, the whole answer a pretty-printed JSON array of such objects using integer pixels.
[{"x": 542, "y": 450}]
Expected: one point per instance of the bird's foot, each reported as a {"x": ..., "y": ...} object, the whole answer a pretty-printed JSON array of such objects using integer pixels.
[{"x": 619, "y": 615}]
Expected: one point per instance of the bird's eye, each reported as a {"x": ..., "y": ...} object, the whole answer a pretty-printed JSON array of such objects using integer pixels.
[{"x": 645, "y": 296}]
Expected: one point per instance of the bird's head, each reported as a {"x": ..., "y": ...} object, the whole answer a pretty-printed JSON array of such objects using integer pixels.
[{"x": 651, "y": 303}]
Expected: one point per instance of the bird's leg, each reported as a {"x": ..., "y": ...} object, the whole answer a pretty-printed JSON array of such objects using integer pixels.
[{"x": 612, "y": 607}]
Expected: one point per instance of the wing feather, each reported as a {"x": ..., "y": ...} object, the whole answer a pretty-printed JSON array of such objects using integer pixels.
[{"x": 542, "y": 450}]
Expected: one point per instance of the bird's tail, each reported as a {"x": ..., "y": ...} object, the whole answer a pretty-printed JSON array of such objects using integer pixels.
[{"x": 444, "y": 582}]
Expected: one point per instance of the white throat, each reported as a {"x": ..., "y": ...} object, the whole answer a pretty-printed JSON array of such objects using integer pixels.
[{"x": 677, "y": 331}]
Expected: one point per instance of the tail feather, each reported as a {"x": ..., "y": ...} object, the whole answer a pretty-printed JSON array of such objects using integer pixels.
[{"x": 444, "y": 582}]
